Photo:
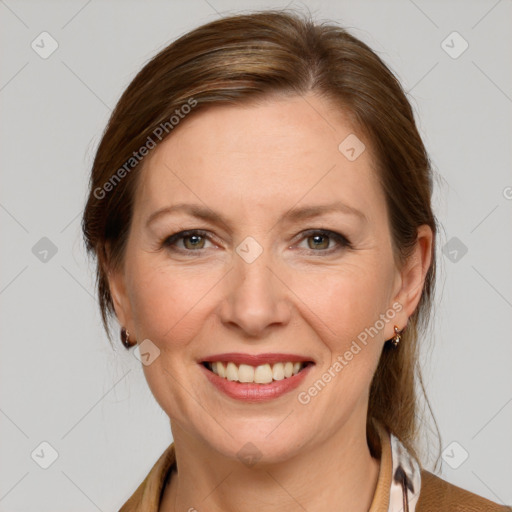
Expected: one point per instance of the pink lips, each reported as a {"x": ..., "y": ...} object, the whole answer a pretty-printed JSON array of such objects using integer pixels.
[{"x": 253, "y": 392}]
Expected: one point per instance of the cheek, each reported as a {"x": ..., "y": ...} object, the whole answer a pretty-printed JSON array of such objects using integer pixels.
[
  {"x": 169, "y": 309},
  {"x": 346, "y": 300},
  {"x": 166, "y": 302}
]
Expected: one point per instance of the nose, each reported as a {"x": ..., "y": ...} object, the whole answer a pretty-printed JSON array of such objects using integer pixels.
[{"x": 255, "y": 299}]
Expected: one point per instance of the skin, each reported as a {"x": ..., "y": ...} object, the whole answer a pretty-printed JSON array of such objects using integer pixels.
[{"x": 252, "y": 164}]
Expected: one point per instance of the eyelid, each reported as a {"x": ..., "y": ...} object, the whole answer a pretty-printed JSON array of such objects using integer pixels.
[
  {"x": 170, "y": 241},
  {"x": 342, "y": 240}
]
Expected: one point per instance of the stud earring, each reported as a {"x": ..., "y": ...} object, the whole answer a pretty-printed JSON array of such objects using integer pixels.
[
  {"x": 397, "y": 337},
  {"x": 125, "y": 338}
]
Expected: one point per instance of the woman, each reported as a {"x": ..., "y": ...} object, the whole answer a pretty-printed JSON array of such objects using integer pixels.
[{"x": 260, "y": 208}]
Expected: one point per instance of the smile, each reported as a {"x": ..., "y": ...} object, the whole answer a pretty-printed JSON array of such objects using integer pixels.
[{"x": 261, "y": 374}]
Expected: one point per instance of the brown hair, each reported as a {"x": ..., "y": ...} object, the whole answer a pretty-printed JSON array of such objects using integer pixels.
[{"x": 234, "y": 60}]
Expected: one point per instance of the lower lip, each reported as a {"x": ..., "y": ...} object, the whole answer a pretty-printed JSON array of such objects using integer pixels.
[{"x": 251, "y": 392}]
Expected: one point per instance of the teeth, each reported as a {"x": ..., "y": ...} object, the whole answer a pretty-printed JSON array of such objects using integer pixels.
[
  {"x": 245, "y": 373},
  {"x": 278, "y": 371},
  {"x": 232, "y": 371},
  {"x": 263, "y": 374}
]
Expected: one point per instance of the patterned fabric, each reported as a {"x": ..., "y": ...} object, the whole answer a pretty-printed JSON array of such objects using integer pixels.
[{"x": 406, "y": 482}]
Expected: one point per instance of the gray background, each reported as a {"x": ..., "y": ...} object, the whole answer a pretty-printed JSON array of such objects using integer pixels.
[{"x": 60, "y": 380}]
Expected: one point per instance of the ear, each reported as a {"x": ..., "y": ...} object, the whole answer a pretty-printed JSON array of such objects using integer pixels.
[
  {"x": 117, "y": 286},
  {"x": 412, "y": 274}
]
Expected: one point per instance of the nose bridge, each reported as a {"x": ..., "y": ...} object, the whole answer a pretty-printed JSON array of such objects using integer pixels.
[{"x": 254, "y": 299}]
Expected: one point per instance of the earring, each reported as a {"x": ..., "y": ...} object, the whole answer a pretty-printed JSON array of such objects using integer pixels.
[
  {"x": 125, "y": 338},
  {"x": 397, "y": 337}
]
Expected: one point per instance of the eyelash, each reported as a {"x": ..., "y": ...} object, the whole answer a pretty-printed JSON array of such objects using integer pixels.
[{"x": 342, "y": 241}]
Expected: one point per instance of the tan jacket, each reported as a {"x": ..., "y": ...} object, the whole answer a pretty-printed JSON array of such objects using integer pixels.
[{"x": 435, "y": 494}]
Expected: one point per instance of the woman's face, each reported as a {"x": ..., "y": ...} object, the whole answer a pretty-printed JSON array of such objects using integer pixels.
[{"x": 261, "y": 276}]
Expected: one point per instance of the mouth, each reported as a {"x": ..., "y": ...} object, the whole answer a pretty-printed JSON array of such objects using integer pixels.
[{"x": 265, "y": 373}]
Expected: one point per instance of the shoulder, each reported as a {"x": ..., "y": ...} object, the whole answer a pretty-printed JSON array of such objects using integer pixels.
[
  {"x": 438, "y": 495},
  {"x": 147, "y": 497}
]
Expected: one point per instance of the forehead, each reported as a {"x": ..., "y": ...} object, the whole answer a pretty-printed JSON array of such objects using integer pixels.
[{"x": 271, "y": 154}]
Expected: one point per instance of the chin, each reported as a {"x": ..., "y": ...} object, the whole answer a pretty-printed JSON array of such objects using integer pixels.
[{"x": 253, "y": 446}]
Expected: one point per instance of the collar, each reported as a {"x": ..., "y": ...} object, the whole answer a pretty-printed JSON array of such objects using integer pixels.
[
  {"x": 397, "y": 490},
  {"x": 399, "y": 482}
]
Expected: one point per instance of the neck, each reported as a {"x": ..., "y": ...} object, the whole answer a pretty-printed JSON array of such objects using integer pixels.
[{"x": 338, "y": 474}]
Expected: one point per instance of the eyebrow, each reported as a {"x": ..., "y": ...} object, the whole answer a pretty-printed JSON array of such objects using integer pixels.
[{"x": 294, "y": 214}]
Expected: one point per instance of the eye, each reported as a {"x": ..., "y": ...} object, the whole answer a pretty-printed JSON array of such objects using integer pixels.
[
  {"x": 320, "y": 241},
  {"x": 193, "y": 240}
]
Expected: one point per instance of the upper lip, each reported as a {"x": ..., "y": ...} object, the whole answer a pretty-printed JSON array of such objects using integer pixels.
[{"x": 255, "y": 360}]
